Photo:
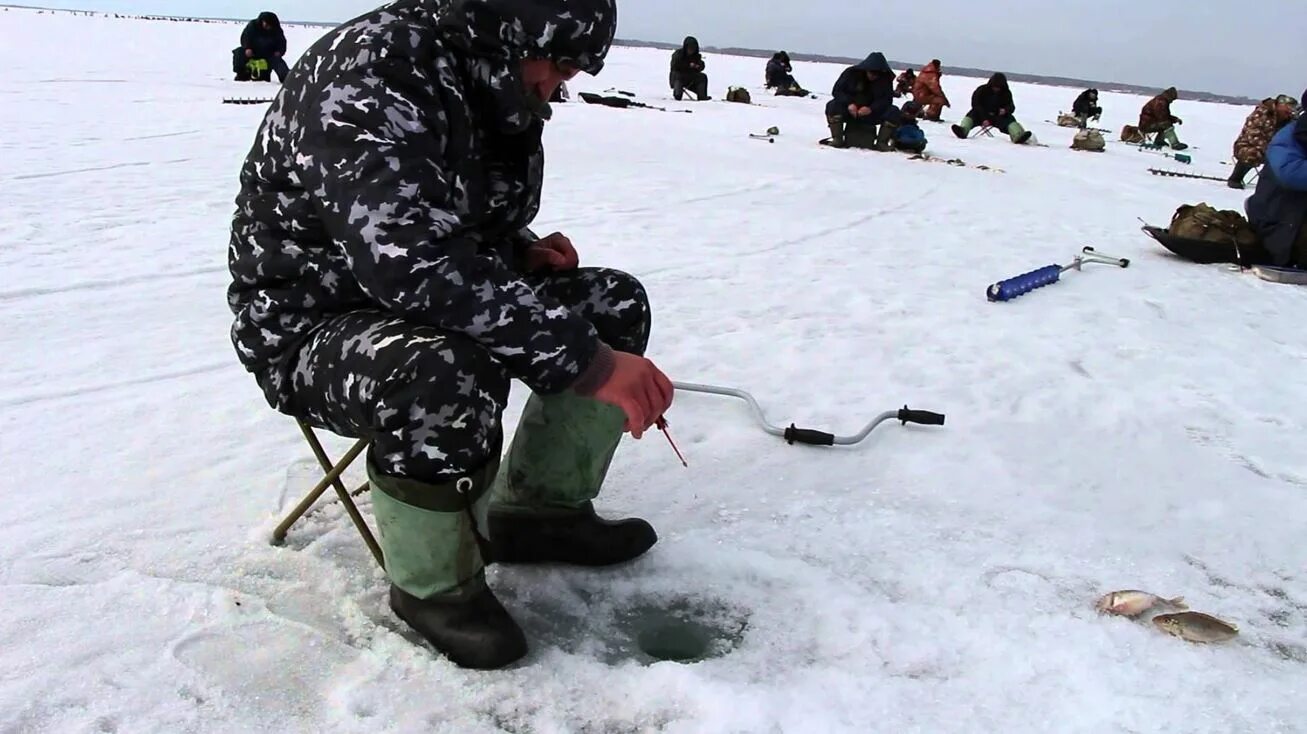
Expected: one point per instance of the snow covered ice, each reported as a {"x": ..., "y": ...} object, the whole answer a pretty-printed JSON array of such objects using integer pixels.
[{"x": 1122, "y": 429}]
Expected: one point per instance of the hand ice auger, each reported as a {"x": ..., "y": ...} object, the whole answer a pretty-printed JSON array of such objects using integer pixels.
[
  {"x": 811, "y": 437},
  {"x": 1006, "y": 290}
]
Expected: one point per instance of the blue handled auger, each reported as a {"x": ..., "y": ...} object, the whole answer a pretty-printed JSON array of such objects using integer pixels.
[{"x": 1006, "y": 290}]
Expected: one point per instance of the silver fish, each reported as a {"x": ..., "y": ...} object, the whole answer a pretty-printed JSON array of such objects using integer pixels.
[
  {"x": 1132, "y": 603},
  {"x": 1196, "y": 627}
]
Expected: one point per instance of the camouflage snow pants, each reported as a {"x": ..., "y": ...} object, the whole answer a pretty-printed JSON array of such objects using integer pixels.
[{"x": 431, "y": 400}]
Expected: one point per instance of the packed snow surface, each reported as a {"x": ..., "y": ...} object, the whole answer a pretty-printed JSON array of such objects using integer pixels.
[{"x": 1122, "y": 429}]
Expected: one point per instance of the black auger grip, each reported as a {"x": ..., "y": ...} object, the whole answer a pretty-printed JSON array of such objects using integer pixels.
[
  {"x": 808, "y": 436},
  {"x": 924, "y": 417}
]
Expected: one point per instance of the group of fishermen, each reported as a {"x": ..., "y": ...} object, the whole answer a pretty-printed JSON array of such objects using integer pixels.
[
  {"x": 386, "y": 283},
  {"x": 862, "y": 112},
  {"x": 1156, "y": 121}
]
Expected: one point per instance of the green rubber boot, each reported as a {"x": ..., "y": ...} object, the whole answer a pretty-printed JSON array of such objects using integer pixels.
[
  {"x": 432, "y": 541},
  {"x": 1018, "y": 134},
  {"x": 963, "y": 128},
  {"x": 884, "y": 135},
  {"x": 836, "y": 126},
  {"x": 542, "y": 508},
  {"x": 1172, "y": 139}
]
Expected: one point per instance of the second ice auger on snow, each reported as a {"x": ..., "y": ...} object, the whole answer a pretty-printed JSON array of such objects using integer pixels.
[{"x": 1006, "y": 290}]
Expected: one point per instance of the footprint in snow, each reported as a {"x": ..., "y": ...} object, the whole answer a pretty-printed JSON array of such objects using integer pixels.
[{"x": 282, "y": 672}]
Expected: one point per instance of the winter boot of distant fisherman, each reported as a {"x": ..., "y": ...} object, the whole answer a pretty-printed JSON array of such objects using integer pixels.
[
  {"x": 432, "y": 542},
  {"x": 1018, "y": 134},
  {"x": 1237, "y": 176},
  {"x": 883, "y": 137},
  {"x": 963, "y": 128},
  {"x": 541, "y": 510},
  {"x": 1170, "y": 137},
  {"x": 836, "y": 124}
]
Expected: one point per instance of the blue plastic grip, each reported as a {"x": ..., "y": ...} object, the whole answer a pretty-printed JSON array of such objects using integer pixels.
[{"x": 1006, "y": 290}]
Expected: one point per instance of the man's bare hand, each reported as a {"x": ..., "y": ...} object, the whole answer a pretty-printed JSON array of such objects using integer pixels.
[{"x": 554, "y": 252}]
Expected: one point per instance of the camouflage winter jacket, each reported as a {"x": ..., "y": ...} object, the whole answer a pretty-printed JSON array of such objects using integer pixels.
[
  {"x": 1156, "y": 114},
  {"x": 396, "y": 170},
  {"x": 1260, "y": 127}
]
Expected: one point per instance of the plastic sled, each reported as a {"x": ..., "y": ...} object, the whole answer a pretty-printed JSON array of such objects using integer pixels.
[
  {"x": 1206, "y": 253},
  {"x": 1289, "y": 276}
]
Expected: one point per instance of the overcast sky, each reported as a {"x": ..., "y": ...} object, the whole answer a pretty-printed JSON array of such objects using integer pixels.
[{"x": 1248, "y": 48}]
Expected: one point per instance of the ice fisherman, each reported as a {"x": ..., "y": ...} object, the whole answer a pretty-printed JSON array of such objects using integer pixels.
[
  {"x": 780, "y": 76},
  {"x": 1086, "y": 108},
  {"x": 1156, "y": 119},
  {"x": 992, "y": 104},
  {"x": 1265, "y": 120},
  {"x": 862, "y": 99},
  {"x": 385, "y": 285},
  {"x": 264, "y": 41},
  {"x": 687, "y": 71},
  {"x": 1277, "y": 209},
  {"x": 903, "y": 85},
  {"x": 908, "y": 135},
  {"x": 928, "y": 92}
]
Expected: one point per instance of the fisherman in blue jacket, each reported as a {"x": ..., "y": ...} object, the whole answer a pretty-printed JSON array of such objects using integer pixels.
[
  {"x": 1278, "y": 208},
  {"x": 863, "y": 99},
  {"x": 262, "y": 39}
]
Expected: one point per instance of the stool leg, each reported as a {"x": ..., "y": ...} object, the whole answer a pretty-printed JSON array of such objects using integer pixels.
[
  {"x": 332, "y": 477},
  {"x": 361, "y": 524},
  {"x": 350, "y": 508}
]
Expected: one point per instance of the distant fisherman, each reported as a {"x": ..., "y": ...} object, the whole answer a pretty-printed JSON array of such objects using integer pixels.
[{"x": 262, "y": 49}]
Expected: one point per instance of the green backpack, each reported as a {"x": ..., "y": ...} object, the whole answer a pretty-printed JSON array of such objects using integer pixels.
[{"x": 1203, "y": 222}]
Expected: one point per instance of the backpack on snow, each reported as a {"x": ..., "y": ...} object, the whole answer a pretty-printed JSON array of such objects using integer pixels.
[
  {"x": 1065, "y": 120},
  {"x": 1203, "y": 222},
  {"x": 1089, "y": 140},
  {"x": 1131, "y": 134},
  {"x": 738, "y": 94}
]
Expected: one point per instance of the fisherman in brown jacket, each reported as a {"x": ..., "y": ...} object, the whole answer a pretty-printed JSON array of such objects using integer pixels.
[
  {"x": 1262, "y": 125},
  {"x": 1156, "y": 118},
  {"x": 927, "y": 92}
]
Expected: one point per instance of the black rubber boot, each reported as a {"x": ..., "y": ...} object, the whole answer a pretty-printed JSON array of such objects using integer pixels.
[
  {"x": 470, "y": 628},
  {"x": 960, "y": 131},
  {"x": 578, "y": 537},
  {"x": 1237, "y": 175}
]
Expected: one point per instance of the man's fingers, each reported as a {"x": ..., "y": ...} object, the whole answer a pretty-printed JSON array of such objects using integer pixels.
[
  {"x": 635, "y": 415},
  {"x": 648, "y": 404},
  {"x": 665, "y": 388},
  {"x": 654, "y": 400}
]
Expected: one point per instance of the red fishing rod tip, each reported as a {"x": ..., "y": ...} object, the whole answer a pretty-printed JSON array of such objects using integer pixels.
[{"x": 662, "y": 426}]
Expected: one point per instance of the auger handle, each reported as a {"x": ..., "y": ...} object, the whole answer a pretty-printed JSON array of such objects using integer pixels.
[
  {"x": 808, "y": 436},
  {"x": 924, "y": 417},
  {"x": 1006, "y": 290}
]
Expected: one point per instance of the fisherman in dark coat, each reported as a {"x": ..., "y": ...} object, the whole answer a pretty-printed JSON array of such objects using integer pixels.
[
  {"x": 780, "y": 76},
  {"x": 1086, "y": 108},
  {"x": 262, "y": 40},
  {"x": 687, "y": 71},
  {"x": 992, "y": 104},
  {"x": 862, "y": 98}
]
